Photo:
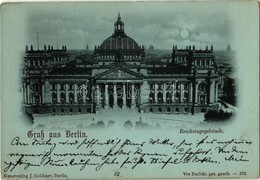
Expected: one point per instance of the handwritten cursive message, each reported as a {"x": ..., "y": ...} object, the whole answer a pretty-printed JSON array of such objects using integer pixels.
[{"x": 85, "y": 153}]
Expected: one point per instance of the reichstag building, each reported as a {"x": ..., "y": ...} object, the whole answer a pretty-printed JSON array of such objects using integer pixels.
[{"x": 118, "y": 75}]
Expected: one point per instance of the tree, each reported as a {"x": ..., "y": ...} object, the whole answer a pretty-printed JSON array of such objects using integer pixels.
[{"x": 229, "y": 91}]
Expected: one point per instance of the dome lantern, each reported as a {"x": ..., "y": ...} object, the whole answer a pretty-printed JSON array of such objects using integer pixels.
[{"x": 119, "y": 26}]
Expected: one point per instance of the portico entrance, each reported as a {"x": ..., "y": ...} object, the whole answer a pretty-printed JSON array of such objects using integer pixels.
[
  {"x": 119, "y": 88},
  {"x": 117, "y": 95}
]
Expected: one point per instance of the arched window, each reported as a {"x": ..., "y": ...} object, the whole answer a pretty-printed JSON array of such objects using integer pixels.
[
  {"x": 53, "y": 86},
  {"x": 168, "y": 97},
  {"x": 186, "y": 86},
  {"x": 151, "y": 98},
  {"x": 207, "y": 63},
  {"x": 202, "y": 87},
  {"x": 178, "y": 86},
  {"x": 37, "y": 99},
  {"x": 160, "y": 86},
  {"x": 203, "y": 62},
  {"x": 54, "y": 98},
  {"x": 160, "y": 98},
  {"x": 80, "y": 98},
  {"x": 202, "y": 99},
  {"x": 62, "y": 86},
  {"x": 62, "y": 98},
  {"x": 71, "y": 98},
  {"x": 177, "y": 97},
  {"x": 151, "y": 86},
  {"x": 71, "y": 87},
  {"x": 186, "y": 95}
]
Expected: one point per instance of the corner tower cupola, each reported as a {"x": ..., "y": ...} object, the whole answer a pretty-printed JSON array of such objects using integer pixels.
[{"x": 119, "y": 26}]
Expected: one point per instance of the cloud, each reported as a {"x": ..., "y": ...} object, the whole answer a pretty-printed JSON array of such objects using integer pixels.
[{"x": 77, "y": 24}]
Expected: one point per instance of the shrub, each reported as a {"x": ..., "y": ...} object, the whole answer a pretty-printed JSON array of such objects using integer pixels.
[
  {"x": 213, "y": 115},
  {"x": 99, "y": 124},
  {"x": 128, "y": 124},
  {"x": 111, "y": 123},
  {"x": 140, "y": 124}
]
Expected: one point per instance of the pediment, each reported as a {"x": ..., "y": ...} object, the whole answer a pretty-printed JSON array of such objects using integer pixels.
[{"x": 119, "y": 73}]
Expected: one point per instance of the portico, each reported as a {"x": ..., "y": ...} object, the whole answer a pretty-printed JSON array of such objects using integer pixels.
[{"x": 124, "y": 94}]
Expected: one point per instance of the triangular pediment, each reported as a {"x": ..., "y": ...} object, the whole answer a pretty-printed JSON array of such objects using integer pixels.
[{"x": 119, "y": 73}]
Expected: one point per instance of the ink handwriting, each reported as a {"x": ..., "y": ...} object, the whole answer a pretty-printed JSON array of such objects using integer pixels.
[{"x": 92, "y": 153}]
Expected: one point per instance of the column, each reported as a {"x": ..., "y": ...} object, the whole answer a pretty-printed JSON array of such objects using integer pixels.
[
  {"x": 124, "y": 96},
  {"x": 106, "y": 96},
  {"x": 173, "y": 91},
  {"x": 212, "y": 93},
  {"x": 155, "y": 92},
  {"x": 133, "y": 95},
  {"x": 83, "y": 87},
  {"x": 216, "y": 92},
  {"x": 28, "y": 94},
  {"x": 164, "y": 93},
  {"x": 145, "y": 93},
  {"x": 23, "y": 101},
  {"x": 196, "y": 93},
  {"x": 75, "y": 93},
  {"x": 24, "y": 93},
  {"x": 190, "y": 92},
  {"x": 98, "y": 95},
  {"x": 66, "y": 93},
  {"x": 42, "y": 99},
  {"x": 138, "y": 95},
  {"x": 115, "y": 97},
  {"x": 32, "y": 99},
  {"x": 58, "y": 93},
  {"x": 181, "y": 92}
]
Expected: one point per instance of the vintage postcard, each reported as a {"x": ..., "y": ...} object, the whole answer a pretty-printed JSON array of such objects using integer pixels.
[{"x": 130, "y": 90}]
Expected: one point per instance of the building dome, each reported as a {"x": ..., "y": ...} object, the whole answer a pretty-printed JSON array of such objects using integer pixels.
[
  {"x": 119, "y": 42},
  {"x": 119, "y": 45}
]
